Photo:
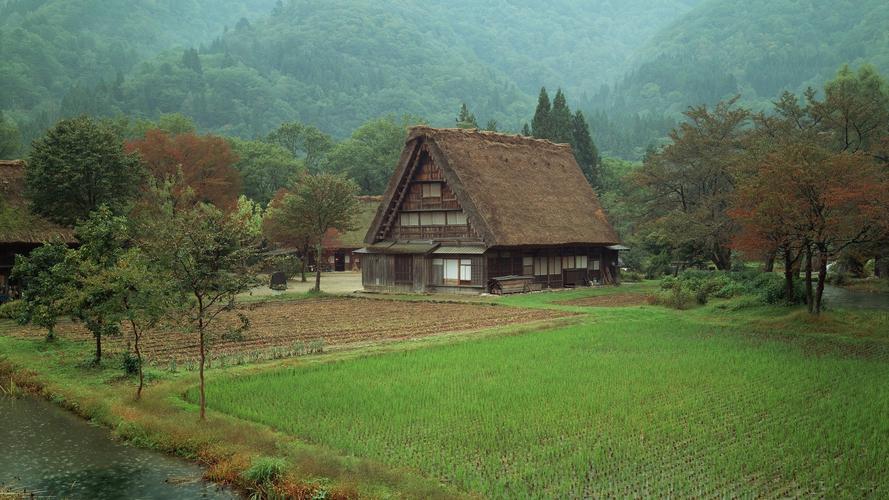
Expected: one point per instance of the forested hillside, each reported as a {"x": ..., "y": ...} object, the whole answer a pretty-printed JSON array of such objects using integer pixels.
[
  {"x": 756, "y": 48},
  {"x": 242, "y": 68},
  {"x": 334, "y": 64},
  {"x": 49, "y": 47}
]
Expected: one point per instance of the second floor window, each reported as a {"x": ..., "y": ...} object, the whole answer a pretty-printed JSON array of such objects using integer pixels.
[{"x": 432, "y": 190}]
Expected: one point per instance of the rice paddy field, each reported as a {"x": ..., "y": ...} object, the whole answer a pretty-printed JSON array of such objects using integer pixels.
[{"x": 630, "y": 401}]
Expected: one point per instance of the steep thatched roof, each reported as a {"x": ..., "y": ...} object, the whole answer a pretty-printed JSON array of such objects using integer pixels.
[
  {"x": 17, "y": 223},
  {"x": 517, "y": 191},
  {"x": 355, "y": 239}
]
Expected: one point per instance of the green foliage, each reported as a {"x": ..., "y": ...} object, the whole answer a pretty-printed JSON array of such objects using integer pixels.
[
  {"x": 78, "y": 166},
  {"x": 465, "y": 119},
  {"x": 265, "y": 168},
  {"x": 10, "y": 139},
  {"x": 304, "y": 142},
  {"x": 264, "y": 470},
  {"x": 46, "y": 274},
  {"x": 14, "y": 310},
  {"x": 556, "y": 123},
  {"x": 370, "y": 155},
  {"x": 130, "y": 363}
]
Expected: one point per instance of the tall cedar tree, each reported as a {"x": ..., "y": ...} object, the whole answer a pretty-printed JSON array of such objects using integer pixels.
[
  {"x": 206, "y": 163},
  {"x": 466, "y": 119},
  {"x": 585, "y": 150},
  {"x": 78, "y": 165},
  {"x": 209, "y": 254},
  {"x": 561, "y": 122},
  {"x": 540, "y": 124},
  {"x": 318, "y": 204},
  {"x": 688, "y": 184}
]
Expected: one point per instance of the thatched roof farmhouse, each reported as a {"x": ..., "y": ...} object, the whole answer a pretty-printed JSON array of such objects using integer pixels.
[{"x": 465, "y": 208}]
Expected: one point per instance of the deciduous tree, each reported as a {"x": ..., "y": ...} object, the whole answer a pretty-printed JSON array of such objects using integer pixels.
[
  {"x": 265, "y": 168},
  {"x": 314, "y": 206},
  {"x": 688, "y": 184},
  {"x": 304, "y": 142},
  {"x": 205, "y": 162},
  {"x": 209, "y": 254},
  {"x": 78, "y": 165},
  {"x": 46, "y": 275}
]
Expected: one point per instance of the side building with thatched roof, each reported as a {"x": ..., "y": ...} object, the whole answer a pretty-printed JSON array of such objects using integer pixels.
[
  {"x": 468, "y": 211},
  {"x": 20, "y": 230}
]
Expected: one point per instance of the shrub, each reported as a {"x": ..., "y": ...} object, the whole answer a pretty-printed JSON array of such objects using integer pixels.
[
  {"x": 130, "y": 363},
  {"x": 838, "y": 279},
  {"x": 677, "y": 297},
  {"x": 631, "y": 276},
  {"x": 13, "y": 310},
  {"x": 264, "y": 470}
]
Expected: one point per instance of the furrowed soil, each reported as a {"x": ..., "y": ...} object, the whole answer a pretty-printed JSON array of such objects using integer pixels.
[{"x": 329, "y": 321}]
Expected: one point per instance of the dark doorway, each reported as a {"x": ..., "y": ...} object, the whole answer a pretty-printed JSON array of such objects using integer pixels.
[{"x": 339, "y": 262}]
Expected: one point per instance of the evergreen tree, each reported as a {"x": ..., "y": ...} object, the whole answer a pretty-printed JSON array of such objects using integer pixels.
[
  {"x": 466, "y": 119},
  {"x": 526, "y": 130},
  {"x": 10, "y": 139},
  {"x": 492, "y": 125},
  {"x": 540, "y": 125},
  {"x": 585, "y": 151},
  {"x": 561, "y": 123},
  {"x": 192, "y": 61}
]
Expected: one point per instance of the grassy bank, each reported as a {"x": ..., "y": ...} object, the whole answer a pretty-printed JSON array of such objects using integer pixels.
[{"x": 724, "y": 399}]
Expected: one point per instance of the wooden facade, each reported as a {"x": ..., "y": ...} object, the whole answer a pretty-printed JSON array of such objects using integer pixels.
[{"x": 439, "y": 228}]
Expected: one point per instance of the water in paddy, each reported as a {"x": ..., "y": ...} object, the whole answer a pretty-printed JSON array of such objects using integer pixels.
[
  {"x": 855, "y": 299},
  {"x": 51, "y": 452}
]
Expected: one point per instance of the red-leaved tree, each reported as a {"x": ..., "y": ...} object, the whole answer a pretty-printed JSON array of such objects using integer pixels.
[{"x": 206, "y": 163}]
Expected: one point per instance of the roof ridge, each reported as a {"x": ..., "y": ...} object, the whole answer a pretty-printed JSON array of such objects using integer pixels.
[{"x": 419, "y": 129}]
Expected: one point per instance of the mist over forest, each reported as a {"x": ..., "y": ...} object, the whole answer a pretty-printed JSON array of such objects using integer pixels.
[{"x": 243, "y": 68}]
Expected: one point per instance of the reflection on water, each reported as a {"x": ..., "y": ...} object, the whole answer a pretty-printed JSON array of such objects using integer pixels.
[
  {"x": 51, "y": 452},
  {"x": 844, "y": 298}
]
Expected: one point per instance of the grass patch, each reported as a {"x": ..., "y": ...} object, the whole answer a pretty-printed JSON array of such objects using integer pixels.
[{"x": 632, "y": 402}]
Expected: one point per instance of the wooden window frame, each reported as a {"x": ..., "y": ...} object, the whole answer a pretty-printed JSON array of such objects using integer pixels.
[{"x": 404, "y": 269}]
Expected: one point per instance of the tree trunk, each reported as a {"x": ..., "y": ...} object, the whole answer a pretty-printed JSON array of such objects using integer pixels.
[
  {"x": 789, "y": 294},
  {"x": 822, "y": 278},
  {"x": 302, "y": 267},
  {"x": 722, "y": 258},
  {"x": 136, "y": 336},
  {"x": 769, "y": 264},
  {"x": 51, "y": 334},
  {"x": 809, "y": 294},
  {"x": 203, "y": 356},
  {"x": 318, "y": 251}
]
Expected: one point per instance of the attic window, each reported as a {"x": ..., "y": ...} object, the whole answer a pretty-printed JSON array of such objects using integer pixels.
[{"x": 432, "y": 190}]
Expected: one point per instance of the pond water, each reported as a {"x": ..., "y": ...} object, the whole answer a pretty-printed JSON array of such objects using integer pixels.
[
  {"x": 51, "y": 452},
  {"x": 855, "y": 299}
]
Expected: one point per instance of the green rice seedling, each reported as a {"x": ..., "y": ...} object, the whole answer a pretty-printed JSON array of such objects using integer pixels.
[{"x": 630, "y": 402}]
